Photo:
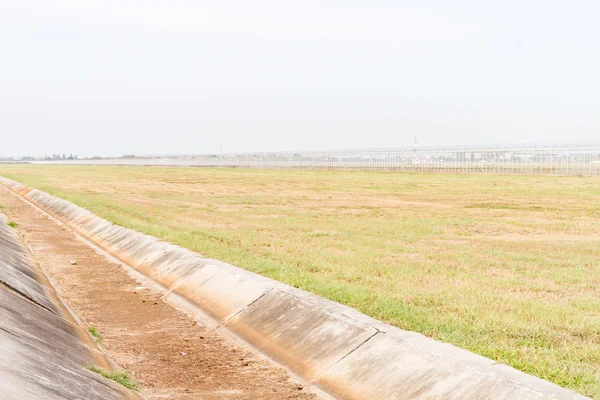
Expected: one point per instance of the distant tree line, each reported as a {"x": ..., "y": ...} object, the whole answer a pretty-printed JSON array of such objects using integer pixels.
[
  {"x": 61, "y": 157},
  {"x": 52, "y": 157}
]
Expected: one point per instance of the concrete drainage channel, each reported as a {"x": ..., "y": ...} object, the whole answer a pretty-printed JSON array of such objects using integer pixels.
[
  {"x": 338, "y": 350},
  {"x": 43, "y": 352}
]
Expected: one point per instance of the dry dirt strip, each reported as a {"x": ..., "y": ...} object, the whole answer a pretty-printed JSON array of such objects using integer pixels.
[
  {"x": 335, "y": 348},
  {"x": 168, "y": 354}
]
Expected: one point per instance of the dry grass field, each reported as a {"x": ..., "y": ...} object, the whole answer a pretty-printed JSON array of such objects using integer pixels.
[{"x": 505, "y": 266}]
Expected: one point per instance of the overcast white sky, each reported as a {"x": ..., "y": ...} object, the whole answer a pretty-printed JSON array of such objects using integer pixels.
[{"x": 147, "y": 76}]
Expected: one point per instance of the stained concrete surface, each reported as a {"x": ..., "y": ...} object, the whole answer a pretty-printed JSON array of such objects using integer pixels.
[
  {"x": 17, "y": 272},
  {"x": 42, "y": 355},
  {"x": 170, "y": 354}
]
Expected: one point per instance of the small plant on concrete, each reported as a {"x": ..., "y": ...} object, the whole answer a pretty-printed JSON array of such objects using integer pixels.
[
  {"x": 122, "y": 378},
  {"x": 13, "y": 224},
  {"x": 95, "y": 334}
]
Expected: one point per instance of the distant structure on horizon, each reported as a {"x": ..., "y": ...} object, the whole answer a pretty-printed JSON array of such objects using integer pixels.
[{"x": 539, "y": 159}]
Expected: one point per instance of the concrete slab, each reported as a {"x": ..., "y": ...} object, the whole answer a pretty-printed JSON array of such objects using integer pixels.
[
  {"x": 219, "y": 291},
  {"x": 299, "y": 334},
  {"x": 387, "y": 367},
  {"x": 17, "y": 273},
  {"x": 42, "y": 358},
  {"x": 42, "y": 354}
]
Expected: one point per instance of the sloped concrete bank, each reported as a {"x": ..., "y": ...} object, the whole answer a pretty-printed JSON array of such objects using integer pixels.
[
  {"x": 339, "y": 350},
  {"x": 43, "y": 353}
]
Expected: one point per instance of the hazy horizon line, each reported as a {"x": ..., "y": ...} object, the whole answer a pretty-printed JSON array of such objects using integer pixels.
[{"x": 515, "y": 145}]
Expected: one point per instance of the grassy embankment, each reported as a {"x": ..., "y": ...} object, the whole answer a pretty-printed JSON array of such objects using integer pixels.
[{"x": 505, "y": 266}]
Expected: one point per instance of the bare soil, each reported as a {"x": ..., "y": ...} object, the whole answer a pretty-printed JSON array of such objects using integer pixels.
[{"x": 168, "y": 354}]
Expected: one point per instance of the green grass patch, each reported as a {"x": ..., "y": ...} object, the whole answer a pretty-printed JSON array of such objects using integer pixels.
[
  {"x": 504, "y": 266},
  {"x": 13, "y": 224},
  {"x": 95, "y": 334},
  {"x": 122, "y": 378}
]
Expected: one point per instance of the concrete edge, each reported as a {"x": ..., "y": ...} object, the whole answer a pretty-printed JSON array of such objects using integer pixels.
[
  {"x": 339, "y": 350},
  {"x": 23, "y": 278},
  {"x": 49, "y": 299}
]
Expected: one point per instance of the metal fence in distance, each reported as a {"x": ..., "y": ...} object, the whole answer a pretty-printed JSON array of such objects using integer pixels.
[{"x": 575, "y": 159}]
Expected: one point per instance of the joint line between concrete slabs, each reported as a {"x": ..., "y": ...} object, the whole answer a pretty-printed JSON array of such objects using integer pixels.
[
  {"x": 243, "y": 309},
  {"x": 9, "y": 332},
  {"x": 24, "y": 296},
  {"x": 347, "y": 354}
]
